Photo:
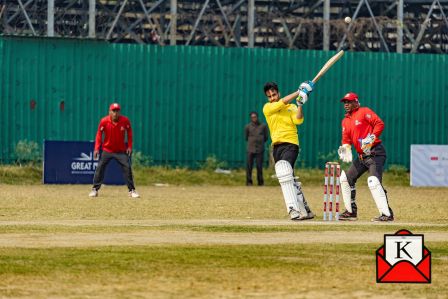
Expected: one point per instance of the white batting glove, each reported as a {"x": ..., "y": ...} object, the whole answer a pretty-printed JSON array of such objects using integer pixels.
[
  {"x": 345, "y": 153},
  {"x": 366, "y": 143},
  {"x": 304, "y": 90},
  {"x": 302, "y": 98},
  {"x": 307, "y": 85}
]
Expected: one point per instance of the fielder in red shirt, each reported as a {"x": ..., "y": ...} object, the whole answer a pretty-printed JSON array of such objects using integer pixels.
[
  {"x": 361, "y": 127},
  {"x": 114, "y": 127}
]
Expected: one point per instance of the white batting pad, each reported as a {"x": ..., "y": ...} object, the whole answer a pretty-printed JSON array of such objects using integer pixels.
[
  {"x": 284, "y": 172},
  {"x": 378, "y": 194},
  {"x": 346, "y": 192}
]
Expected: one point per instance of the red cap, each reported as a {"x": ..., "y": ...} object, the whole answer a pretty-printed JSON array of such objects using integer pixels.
[
  {"x": 351, "y": 96},
  {"x": 114, "y": 106}
]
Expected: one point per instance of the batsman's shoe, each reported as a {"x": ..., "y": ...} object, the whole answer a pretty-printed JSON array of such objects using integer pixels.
[
  {"x": 93, "y": 193},
  {"x": 296, "y": 216},
  {"x": 383, "y": 218},
  {"x": 347, "y": 216},
  {"x": 133, "y": 194},
  {"x": 309, "y": 216}
]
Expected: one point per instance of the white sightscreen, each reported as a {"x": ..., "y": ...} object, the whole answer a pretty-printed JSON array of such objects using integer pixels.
[{"x": 429, "y": 165}]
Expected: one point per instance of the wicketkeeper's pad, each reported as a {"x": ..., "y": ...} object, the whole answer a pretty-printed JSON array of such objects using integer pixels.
[
  {"x": 346, "y": 192},
  {"x": 378, "y": 194}
]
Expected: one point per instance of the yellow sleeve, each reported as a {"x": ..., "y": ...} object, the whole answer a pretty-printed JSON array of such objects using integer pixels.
[
  {"x": 297, "y": 121},
  {"x": 271, "y": 108},
  {"x": 293, "y": 115}
]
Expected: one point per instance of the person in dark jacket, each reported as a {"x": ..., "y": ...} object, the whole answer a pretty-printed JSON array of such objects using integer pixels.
[{"x": 256, "y": 134}]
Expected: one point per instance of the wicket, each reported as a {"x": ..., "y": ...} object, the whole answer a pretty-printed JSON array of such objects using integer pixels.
[{"x": 332, "y": 174}]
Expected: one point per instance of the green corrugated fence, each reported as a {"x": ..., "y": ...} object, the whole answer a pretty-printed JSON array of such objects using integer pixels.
[{"x": 186, "y": 103}]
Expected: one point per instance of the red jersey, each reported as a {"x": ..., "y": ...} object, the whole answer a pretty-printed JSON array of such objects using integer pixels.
[
  {"x": 360, "y": 123},
  {"x": 114, "y": 135}
]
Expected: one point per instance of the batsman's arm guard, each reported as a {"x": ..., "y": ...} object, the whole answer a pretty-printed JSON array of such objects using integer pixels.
[{"x": 284, "y": 173}]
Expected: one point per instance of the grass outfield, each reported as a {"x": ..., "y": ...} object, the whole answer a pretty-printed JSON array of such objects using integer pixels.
[
  {"x": 148, "y": 176},
  {"x": 204, "y": 242},
  {"x": 227, "y": 271}
]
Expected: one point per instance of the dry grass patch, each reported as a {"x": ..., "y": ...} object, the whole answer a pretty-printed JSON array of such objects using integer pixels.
[
  {"x": 276, "y": 271},
  {"x": 70, "y": 202},
  {"x": 304, "y": 270}
]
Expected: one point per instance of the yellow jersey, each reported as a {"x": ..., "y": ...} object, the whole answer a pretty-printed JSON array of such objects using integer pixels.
[{"x": 282, "y": 122}]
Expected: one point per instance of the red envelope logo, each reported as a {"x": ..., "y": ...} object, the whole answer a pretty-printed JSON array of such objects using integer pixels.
[{"x": 398, "y": 266}]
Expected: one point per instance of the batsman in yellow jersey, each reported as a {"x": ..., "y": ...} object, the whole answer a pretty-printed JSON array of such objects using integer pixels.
[{"x": 283, "y": 118}]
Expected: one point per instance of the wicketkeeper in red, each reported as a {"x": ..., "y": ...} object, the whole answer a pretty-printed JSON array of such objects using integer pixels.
[
  {"x": 361, "y": 127},
  {"x": 114, "y": 127}
]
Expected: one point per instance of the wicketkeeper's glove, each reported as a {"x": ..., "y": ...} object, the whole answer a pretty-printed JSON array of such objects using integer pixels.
[
  {"x": 345, "y": 153},
  {"x": 367, "y": 143}
]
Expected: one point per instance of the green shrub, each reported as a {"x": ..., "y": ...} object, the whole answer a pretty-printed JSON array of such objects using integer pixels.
[
  {"x": 141, "y": 160},
  {"x": 323, "y": 158},
  {"x": 396, "y": 169},
  {"x": 211, "y": 163},
  {"x": 27, "y": 152}
]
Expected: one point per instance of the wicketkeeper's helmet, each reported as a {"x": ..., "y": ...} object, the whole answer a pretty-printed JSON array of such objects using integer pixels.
[{"x": 351, "y": 96}]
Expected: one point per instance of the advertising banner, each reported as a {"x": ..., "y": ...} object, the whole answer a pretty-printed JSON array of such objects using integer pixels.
[
  {"x": 71, "y": 162},
  {"x": 429, "y": 165}
]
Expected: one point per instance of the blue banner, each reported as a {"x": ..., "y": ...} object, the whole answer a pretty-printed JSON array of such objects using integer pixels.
[{"x": 71, "y": 162}]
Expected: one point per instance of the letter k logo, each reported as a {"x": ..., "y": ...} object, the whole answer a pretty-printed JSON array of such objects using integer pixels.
[
  {"x": 403, "y": 259},
  {"x": 402, "y": 249}
]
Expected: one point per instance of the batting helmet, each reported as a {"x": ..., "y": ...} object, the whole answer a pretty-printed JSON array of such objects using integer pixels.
[{"x": 351, "y": 96}]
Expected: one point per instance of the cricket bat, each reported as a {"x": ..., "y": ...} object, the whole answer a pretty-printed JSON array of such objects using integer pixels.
[{"x": 328, "y": 65}]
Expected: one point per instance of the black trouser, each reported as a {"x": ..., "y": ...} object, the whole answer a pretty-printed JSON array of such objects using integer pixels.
[
  {"x": 373, "y": 163},
  {"x": 286, "y": 151},
  {"x": 123, "y": 159},
  {"x": 258, "y": 157}
]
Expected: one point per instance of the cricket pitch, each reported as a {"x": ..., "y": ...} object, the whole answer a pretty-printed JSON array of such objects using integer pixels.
[{"x": 204, "y": 242}]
